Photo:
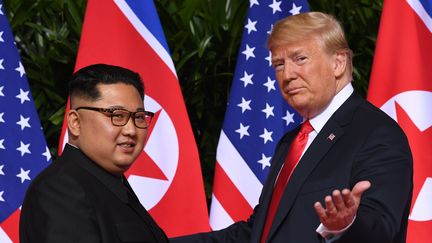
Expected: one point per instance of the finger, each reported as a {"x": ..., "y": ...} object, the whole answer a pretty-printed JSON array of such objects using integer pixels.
[
  {"x": 348, "y": 198},
  {"x": 359, "y": 188},
  {"x": 320, "y": 211},
  {"x": 338, "y": 201},
  {"x": 330, "y": 207}
]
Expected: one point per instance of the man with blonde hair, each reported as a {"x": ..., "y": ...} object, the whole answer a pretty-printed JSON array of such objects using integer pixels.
[{"x": 345, "y": 175}]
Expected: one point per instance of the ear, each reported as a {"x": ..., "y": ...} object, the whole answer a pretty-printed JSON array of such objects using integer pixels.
[
  {"x": 340, "y": 63},
  {"x": 74, "y": 124}
]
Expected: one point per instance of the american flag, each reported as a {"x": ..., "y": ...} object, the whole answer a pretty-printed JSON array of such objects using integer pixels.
[
  {"x": 23, "y": 149},
  {"x": 256, "y": 118}
]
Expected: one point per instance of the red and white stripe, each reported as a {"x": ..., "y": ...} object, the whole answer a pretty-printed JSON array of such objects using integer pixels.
[
  {"x": 236, "y": 189},
  {"x": 9, "y": 232}
]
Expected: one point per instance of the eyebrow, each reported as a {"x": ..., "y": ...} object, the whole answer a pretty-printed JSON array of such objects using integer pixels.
[
  {"x": 275, "y": 59},
  {"x": 291, "y": 54},
  {"x": 116, "y": 107}
]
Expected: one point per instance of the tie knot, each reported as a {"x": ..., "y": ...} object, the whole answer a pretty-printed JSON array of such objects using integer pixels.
[{"x": 306, "y": 127}]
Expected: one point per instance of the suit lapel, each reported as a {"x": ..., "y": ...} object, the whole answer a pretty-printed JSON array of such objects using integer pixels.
[
  {"x": 119, "y": 187},
  {"x": 308, "y": 162},
  {"x": 135, "y": 204},
  {"x": 112, "y": 183},
  {"x": 327, "y": 137},
  {"x": 267, "y": 191}
]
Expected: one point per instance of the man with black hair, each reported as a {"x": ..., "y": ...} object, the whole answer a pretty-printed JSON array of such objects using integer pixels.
[{"x": 84, "y": 196}]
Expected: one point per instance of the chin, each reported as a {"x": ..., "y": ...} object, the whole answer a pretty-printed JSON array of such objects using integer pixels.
[
  {"x": 123, "y": 168},
  {"x": 124, "y": 163},
  {"x": 302, "y": 111}
]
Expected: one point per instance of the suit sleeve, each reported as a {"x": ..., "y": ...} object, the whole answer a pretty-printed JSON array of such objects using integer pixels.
[
  {"x": 57, "y": 210},
  {"x": 237, "y": 232},
  {"x": 240, "y": 231},
  {"x": 385, "y": 160}
]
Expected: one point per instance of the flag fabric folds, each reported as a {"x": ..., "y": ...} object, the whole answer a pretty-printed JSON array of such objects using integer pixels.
[
  {"x": 23, "y": 149},
  {"x": 256, "y": 118},
  {"x": 167, "y": 175},
  {"x": 401, "y": 85}
]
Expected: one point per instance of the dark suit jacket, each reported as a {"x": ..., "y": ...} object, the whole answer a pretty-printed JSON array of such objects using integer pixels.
[
  {"x": 368, "y": 145},
  {"x": 74, "y": 200}
]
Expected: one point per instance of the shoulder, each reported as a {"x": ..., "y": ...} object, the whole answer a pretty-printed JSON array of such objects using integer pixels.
[
  {"x": 376, "y": 118},
  {"x": 358, "y": 113},
  {"x": 379, "y": 130},
  {"x": 286, "y": 139},
  {"x": 61, "y": 178},
  {"x": 363, "y": 124},
  {"x": 56, "y": 192}
]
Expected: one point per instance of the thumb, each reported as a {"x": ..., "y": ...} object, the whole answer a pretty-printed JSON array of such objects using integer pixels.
[{"x": 359, "y": 188}]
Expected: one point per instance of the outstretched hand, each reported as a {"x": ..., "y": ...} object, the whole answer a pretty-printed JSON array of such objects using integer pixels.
[{"x": 341, "y": 208}]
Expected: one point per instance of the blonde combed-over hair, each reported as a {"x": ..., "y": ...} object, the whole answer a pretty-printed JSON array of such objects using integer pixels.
[{"x": 304, "y": 26}]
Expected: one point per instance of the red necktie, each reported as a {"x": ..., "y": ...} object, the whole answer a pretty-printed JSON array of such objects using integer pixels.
[{"x": 294, "y": 153}]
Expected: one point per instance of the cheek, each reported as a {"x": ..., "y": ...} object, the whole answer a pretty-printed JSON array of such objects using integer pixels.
[
  {"x": 324, "y": 94},
  {"x": 104, "y": 132},
  {"x": 320, "y": 83},
  {"x": 278, "y": 80},
  {"x": 142, "y": 136}
]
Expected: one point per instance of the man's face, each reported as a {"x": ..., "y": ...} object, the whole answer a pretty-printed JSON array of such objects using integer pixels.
[
  {"x": 114, "y": 148},
  {"x": 306, "y": 76}
]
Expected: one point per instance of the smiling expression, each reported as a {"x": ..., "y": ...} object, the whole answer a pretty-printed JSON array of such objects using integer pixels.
[{"x": 114, "y": 148}]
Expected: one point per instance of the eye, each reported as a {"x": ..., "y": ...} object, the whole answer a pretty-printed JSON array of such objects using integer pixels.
[
  {"x": 140, "y": 116},
  {"x": 300, "y": 59},
  {"x": 278, "y": 66},
  {"x": 118, "y": 115}
]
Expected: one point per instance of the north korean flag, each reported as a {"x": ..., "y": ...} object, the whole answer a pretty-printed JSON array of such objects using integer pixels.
[
  {"x": 167, "y": 176},
  {"x": 401, "y": 84}
]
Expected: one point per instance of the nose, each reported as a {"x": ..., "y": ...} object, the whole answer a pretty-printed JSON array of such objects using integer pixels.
[
  {"x": 289, "y": 73},
  {"x": 129, "y": 129}
]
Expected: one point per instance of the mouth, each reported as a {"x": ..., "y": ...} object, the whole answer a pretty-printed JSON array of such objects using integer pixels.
[
  {"x": 127, "y": 146},
  {"x": 293, "y": 90}
]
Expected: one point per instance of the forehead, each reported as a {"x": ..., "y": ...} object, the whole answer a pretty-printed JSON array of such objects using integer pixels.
[
  {"x": 117, "y": 89},
  {"x": 119, "y": 94},
  {"x": 310, "y": 45}
]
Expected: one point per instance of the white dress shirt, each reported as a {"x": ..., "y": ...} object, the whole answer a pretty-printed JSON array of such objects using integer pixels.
[{"x": 318, "y": 123}]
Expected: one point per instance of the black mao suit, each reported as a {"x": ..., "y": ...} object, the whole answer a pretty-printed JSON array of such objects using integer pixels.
[
  {"x": 358, "y": 142},
  {"x": 74, "y": 200}
]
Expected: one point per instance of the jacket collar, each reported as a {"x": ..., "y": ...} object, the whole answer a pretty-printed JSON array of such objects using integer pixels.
[
  {"x": 113, "y": 183},
  {"x": 317, "y": 150}
]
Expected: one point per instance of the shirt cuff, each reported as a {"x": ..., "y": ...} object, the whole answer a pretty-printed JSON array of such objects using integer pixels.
[{"x": 328, "y": 234}]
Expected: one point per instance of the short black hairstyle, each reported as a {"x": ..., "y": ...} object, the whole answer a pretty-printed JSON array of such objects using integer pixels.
[{"x": 85, "y": 80}]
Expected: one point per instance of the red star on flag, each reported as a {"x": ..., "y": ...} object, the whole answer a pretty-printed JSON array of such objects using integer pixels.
[{"x": 144, "y": 165}]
